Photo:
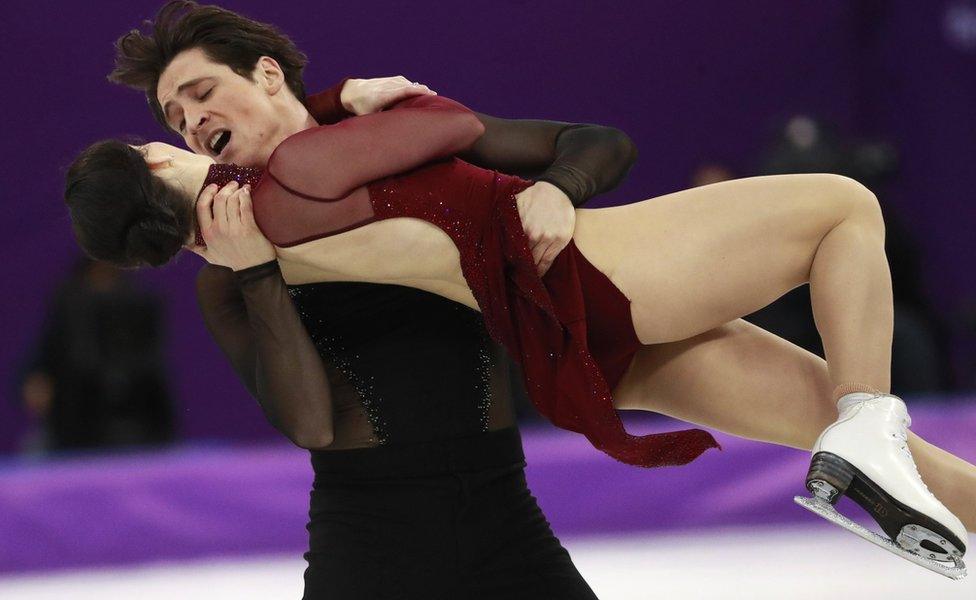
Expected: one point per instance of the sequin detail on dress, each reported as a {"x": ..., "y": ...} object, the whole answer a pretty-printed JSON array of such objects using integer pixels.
[
  {"x": 332, "y": 348},
  {"x": 222, "y": 175}
]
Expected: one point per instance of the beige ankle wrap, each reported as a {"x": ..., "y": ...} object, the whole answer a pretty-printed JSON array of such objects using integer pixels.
[{"x": 849, "y": 388}]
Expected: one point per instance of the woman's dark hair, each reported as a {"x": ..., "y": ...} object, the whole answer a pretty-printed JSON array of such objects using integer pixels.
[
  {"x": 120, "y": 212},
  {"x": 225, "y": 36}
]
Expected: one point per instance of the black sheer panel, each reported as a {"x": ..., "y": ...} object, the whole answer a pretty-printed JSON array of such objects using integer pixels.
[
  {"x": 251, "y": 316},
  {"x": 367, "y": 364},
  {"x": 581, "y": 160},
  {"x": 422, "y": 365},
  {"x": 501, "y": 412},
  {"x": 351, "y": 424}
]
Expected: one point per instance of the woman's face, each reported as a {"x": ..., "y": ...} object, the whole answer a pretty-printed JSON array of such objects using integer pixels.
[
  {"x": 170, "y": 163},
  {"x": 161, "y": 156}
]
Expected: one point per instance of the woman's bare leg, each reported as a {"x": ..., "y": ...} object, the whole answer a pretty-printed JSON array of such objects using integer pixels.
[
  {"x": 744, "y": 380},
  {"x": 695, "y": 259}
]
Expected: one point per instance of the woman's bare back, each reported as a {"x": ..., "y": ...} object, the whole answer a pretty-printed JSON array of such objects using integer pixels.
[{"x": 400, "y": 251}]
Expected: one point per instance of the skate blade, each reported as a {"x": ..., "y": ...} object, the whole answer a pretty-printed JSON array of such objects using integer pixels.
[{"x": 824, "y": 509}]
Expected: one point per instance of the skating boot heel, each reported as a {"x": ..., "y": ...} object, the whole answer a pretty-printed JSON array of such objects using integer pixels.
[
  {"x": 829, "y": 476},
  {"x": 864, "y": 455}
]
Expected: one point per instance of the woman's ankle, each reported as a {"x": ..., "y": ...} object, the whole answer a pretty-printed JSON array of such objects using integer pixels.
[{"x": 849, "y": 388}]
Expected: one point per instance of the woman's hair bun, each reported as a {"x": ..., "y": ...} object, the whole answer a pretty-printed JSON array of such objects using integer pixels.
[{"x": 120, "y": 212}]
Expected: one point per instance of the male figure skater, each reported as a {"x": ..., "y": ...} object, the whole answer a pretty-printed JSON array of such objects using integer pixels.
[{"x": 421, "y": 488}]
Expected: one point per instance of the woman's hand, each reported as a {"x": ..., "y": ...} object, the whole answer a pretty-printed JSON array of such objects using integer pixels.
[
  {"x": 227, "y": 224},
  {"x": 549, "y": 219},
  {"x": 366, "y": 96}
]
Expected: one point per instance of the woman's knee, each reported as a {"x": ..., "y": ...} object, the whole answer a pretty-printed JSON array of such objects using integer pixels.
[{"x": 856, "y": 201}]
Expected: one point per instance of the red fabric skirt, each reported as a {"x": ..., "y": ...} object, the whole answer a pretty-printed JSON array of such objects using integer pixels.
[
  {"x": 571, "y": 332},
  {"x": 573, "y": 335}
]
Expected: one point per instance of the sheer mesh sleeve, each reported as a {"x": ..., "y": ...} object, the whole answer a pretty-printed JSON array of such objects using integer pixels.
[
  {"x": 251, "y": 316},
  {"x": 326, "y": 107},
  {"x": 330, "y": 161},
  {"x": 581, "y": 160}
]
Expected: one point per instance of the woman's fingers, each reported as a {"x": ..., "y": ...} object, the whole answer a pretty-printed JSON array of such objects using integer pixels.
[
  {"x": 539, "y": 249},
  {"x": 220, "y": 209},
  {"x": 402, "y": 92},
  {"x": 238, "y": 213},
  {"x": 234, "y": 213},
  {"x": 549, "y": 256},
  {"x": 247, "y": 212},
  {"x": 204, "y": 207},
  {"x": 235, "y": 241},
  {"x": 212, "y": 218}
]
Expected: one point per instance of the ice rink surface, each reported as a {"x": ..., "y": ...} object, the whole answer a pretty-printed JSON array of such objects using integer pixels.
[{"x": 770, "y": 563}]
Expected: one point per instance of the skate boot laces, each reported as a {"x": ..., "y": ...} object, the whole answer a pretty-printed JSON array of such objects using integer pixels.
[{"x": 901, "y": 434}]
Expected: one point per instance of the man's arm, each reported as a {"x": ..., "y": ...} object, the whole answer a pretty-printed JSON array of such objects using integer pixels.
[
  {"x": 571, "y": 163},
  {"x": 582, "y": 160},
  {"x": 252, "y": 318}
]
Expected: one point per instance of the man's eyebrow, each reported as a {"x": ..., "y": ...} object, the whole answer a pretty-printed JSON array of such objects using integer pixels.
[{"x": 182, "y": 87}]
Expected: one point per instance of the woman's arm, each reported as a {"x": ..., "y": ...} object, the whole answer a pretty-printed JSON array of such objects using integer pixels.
[
  {"x": 330, "y": 161},
  {"x": 351, "y": 97},
  {"x": 582, "y": 160},
  {"x": 326, "y": 106},
  {"x": 252, "y": 318}
]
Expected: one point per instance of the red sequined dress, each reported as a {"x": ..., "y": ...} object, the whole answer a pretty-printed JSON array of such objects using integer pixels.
[{"x": 570, "y": 331}]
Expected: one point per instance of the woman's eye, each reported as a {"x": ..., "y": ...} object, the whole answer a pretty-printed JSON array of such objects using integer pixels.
[{"x": 205, "y": 94}]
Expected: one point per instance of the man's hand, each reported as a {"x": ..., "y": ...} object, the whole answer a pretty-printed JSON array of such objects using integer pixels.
[
  {"x": 227, "y": 224},
  {"x": 549, "y": 220},
  {"x": 366, "y": 96}
]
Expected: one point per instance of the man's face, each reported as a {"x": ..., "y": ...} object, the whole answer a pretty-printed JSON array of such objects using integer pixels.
[{"x": 219, "y": 113}]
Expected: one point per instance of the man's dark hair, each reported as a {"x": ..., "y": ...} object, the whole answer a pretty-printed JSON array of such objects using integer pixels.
[
  {"x": 120, "y": 212},
  {"x": 224, "y": 36}
]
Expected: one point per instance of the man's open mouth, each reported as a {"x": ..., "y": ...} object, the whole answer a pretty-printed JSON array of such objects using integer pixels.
[{"x": 218, "y": 141}]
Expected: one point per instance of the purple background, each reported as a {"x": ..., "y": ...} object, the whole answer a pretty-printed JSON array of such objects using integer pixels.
[{"x": 689, "y": 81}]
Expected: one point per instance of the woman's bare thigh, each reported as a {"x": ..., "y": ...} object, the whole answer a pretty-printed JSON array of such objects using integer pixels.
[
  {"x": 737, "y": 378},
  {"x": 695, "y": 259},
  {"x": 741, "y": 379}
]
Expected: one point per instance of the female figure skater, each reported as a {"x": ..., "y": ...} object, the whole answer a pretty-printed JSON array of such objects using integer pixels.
[{"x": 644, "y": 302}]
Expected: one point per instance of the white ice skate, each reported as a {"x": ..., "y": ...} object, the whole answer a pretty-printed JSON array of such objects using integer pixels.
[{"x": 864, "y": 455}]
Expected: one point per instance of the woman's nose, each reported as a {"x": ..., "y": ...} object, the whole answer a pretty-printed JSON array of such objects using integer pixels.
[{"x": 200, "y": 122}]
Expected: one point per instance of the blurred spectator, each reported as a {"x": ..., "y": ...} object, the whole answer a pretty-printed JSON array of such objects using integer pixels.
[
  {"x": 711, "y": 172},
  {"x": 919, "y": 348},
  {"x": 96, "y": 377}
]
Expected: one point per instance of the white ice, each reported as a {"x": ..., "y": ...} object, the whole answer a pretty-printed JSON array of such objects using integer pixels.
[{"x": 769, "y": 563}]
